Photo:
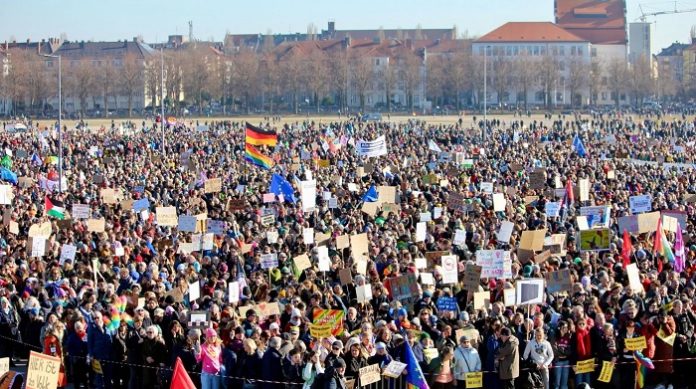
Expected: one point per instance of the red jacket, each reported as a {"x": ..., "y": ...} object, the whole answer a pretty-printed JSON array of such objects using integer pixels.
[{"x": 583, "y": 344}]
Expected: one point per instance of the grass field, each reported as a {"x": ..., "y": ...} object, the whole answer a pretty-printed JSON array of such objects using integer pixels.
[{"x": 448, "y": 119}]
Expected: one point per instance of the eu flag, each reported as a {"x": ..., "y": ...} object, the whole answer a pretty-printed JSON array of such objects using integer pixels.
[
  {"x": 279, "y": 185},
  {"x": 371, "y": 195},
  {"x": 579, "y": 147},
  {"x": 414, "y": 375}
]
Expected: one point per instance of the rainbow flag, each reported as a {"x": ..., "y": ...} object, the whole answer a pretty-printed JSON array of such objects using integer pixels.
[
  {"x": 414, "y": 375},
  {"x": 643, "y": 363},
  {"x": 260, "y": 137},
  {"x": 254, "y": 156}
]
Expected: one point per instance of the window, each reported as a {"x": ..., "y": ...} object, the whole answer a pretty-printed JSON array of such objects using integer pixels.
[
  {"x": 593, "y": 52},
  {"x": 554, "y": 50},
  {"x": 604, "y": 95},
  {"x": 480, "y": 50},
  {"x": 561, "y": 50},
  {"x": 543, "y": 50},
  {"x": 561, "y": 65},
  {"x": 516, "y": 50},
  {"x": 579, "y": 50},
  {"x": 536, "y": 50},
  {"x": 49, "y": 64},
  {"x": 572, "y": 50},
  {"x": 508, "y": 51},
  {"x": 377, "y": 62}
]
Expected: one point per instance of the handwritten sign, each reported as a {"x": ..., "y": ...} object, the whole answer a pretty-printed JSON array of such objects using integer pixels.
[
  {"x": 394, "y": 369},
  {"x": 474, "y": 380},
  {"x": 586, "y": 366},
  {"x": 80, "y": 211},
  {"x": 213, "y": 185},
  {"x": 42, "y": 372},
  {"x": 369, "y": 374},
  {"x": 636, "y": 344},
  {"x": 96, "y": 225},
  {"x": 166, "y": 216},
  {"x": 187, "y": 223},
  {"x": 319, "y": 331}
]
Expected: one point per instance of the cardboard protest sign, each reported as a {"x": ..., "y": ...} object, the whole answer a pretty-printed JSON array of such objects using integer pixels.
[
  {"x": 342, "y": 242},
  {"x": 262, "y": 309},
  {"x": 213, "y": 185},
  {"x": 537, "y": 180},
  {"x": 681, "y": 217},
  {"x": 110, "y": 195},
  {"x": 386, "y": 194},
  {"x": 558, "y": 281},
  {"x": 345, "y": 276},
  {"x": 359, "y": 247},
  {"x": 369, "y": 374},
  {"x": 41, "y": 230},
  {"x": 42, "y": 371},
  {"x": 236, "y": 204},
  {"x": 96, "y": 225},
  {"x": 481, "y": 299},
  {"x": 532, "y": 240},
  {"x": 472, "y": 276},
  {"x": 594, "y": 240},
  {"x": 166, "y": 216},
  {"x": 320, "y": 331},
  {"x": 404, "y": 288},
  {"x": 302, "y": 262}
]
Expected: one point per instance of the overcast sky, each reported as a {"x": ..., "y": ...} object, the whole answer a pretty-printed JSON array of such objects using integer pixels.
[{"x": 101, "y": 20}]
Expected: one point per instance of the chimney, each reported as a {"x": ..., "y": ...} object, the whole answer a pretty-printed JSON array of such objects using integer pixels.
[
  {"x": 346, "y": 42},
  {"x": 28, "y": 40},
  {"x": 332, "y": 28}
]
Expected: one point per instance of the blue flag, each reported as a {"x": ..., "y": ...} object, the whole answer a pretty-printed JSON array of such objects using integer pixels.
[
  {"x": 579, "y": 147},
  {"x": 414, "y": 375},
  {"x": 371, "y": 195},
  {"x": 279, "y": 185},
  {"x": 8, "y": 175}
]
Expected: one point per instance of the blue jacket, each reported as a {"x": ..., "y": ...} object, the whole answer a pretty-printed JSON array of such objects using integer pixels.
[{"x": 98, "y": 343}]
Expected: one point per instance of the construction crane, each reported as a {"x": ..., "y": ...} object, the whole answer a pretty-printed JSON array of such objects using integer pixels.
[{"x": 645, "y": 15}]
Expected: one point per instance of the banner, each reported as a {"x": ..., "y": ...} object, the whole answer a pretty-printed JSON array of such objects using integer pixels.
[
  {"x": 373, "y": 148},
  {"x": 329, "y": 317}
]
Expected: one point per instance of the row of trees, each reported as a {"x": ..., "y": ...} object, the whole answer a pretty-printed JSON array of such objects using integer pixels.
[{"x": 287, "y": 77}]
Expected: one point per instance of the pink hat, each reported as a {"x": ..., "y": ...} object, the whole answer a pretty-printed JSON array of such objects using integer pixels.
[{"x": 209, "y": 333}]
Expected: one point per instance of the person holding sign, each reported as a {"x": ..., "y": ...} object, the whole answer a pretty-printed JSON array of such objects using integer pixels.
[
  {"x": 441, "y": 369},
  {"x": 625, "y": 367},
  {"x": 466, "y": 360},
  {"x": 607, "y": 349},
  {"x": 53, "y": 347}
]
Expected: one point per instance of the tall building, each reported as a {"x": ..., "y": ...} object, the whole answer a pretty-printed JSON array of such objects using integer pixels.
[{"x": 640, "y": 41}]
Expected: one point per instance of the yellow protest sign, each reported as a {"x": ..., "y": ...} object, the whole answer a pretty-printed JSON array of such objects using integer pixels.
[
  {"x": 474, "y": 380},
  {"x": 636, "y": 344},
  {"x": 669, "y": 339},
  {"x": 607, "y": 371},
  {"x": 42, "y": 371},
  {"x": 319, "y": 331},
  {"x": 586, "y": 366}
]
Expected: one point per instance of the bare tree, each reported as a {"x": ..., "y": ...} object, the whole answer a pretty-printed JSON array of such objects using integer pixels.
[
  {"x": 457, "y": 68},
  {"x": 173, "y": 80},
  {"x": 410, "y": 74},
  {"x": 360, "y": 75},
  {"x": 338, "y": 68},
  {"x": 131, "y": 79},
  {"x": 316, "y": 75},
  {"x": 293, "y": 78},
  {"x": 37, "y": 83},
  {"x": 246, "y": 65},
  {"x": 81, "y": 81},
  {"x": 271, "y": 76},
  {"x": 595, "y": 79},
  {"x": 437, "y": 79},
  {"x": 195, "y": 71},
  {"x": 577, "y": 79},
  {"x": 524, "y": 72},
  {"x": 153, "y": 79},
  {"x": 17, "y": 78},
  {"x": 105, "y": 80},
  {"x": 548, "y": 77},
  {"x": 617, "y": 79},
  {"x": 640, "y": 80},
  {"x": 501, "y": 77}
]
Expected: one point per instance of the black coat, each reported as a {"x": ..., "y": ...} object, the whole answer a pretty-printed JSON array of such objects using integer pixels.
[{"x": 271, "y": 369}]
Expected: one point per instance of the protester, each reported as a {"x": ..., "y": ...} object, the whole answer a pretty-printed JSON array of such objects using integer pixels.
[{"x": 376, "y": 234}]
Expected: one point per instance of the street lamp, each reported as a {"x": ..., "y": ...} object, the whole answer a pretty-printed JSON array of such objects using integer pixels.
[
  {"x": 60, "y": 121},
  {"x": 485, "y": 94},
  {"x": 162, "y": 93}
]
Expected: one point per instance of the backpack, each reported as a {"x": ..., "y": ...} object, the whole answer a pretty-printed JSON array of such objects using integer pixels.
[{"x": 319, "y": 381}]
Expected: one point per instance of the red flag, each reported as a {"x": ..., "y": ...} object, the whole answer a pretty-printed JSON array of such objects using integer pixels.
[
  {"x": 657, "y": 243},
  {"x": 180, "y": 378},
  {"x": 569, "y": 197},
  {"x": 626, "y": 249}
]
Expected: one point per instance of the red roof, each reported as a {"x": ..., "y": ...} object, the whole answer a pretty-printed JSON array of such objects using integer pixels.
[
  {"x": 598, "y": 21},
  {"x": 530, "y": 32}
]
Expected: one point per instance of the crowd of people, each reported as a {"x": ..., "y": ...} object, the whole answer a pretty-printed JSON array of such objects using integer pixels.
[{"x": 136, "y": 295}]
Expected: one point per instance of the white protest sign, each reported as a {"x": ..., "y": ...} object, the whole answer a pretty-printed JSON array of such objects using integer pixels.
[
  {"x": 449, "y": 269},
  {"x": 552, "y": 209},
  {"x": 67, "y": 252},
  {"x": 80, "y": 211},
  {"x": 233, "y": 292},
  {"x": 498, "y": 202},
  {"x": 641, "y": 203},
  {"x": 269, "y": 261},
  {"x": 374, "y": 148},
  {"x": 529, "y": 291},
  {"x": 494, "y": 263},
  {"x": 194, "y": 291},
  {"x": 421, "y": 231},
  {"x": 308, "y": 235},
  {"x": 505, "y": 231}
]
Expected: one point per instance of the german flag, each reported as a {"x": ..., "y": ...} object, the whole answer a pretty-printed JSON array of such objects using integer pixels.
[{"x": 260, "y": 137}]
